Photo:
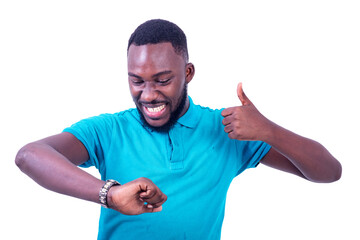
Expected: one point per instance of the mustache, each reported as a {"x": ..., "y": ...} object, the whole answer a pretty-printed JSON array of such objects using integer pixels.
[{"x": 152, "y": 102}]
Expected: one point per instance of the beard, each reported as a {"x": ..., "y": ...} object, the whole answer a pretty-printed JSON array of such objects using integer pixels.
[{"x": 173, "y": 117}]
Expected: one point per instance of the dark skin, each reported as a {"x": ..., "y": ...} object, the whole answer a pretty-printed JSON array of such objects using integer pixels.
[
  {"x": 290, "y": 152},
  {"x": 52, "y": 163},
  {"x": 157, "y": 76}
]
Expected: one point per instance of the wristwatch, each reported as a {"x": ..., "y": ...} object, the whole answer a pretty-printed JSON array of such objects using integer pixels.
[{"x": 104, "y": 192}]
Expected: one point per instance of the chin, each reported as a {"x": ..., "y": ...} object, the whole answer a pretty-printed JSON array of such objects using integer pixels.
[{"x": 156, "y": 123}]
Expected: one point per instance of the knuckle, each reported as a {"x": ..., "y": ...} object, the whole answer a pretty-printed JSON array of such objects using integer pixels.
[
  {"x": 144, "y": 179},
  {"x": 141, "y": 179},
  {"x": 162, "y": 198},
  {"x": 155, "y": 191}
]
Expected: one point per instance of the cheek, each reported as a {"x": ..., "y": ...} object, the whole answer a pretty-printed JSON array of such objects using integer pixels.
[
  {"x": 135, "y": 93},
  {"x": 173, "y": 91},
  {"x": 177, "y": 93},
  {"x": 178, "y": 86}
]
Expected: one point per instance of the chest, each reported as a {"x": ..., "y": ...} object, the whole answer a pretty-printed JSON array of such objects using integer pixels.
[{"x": 182, "y": 156}]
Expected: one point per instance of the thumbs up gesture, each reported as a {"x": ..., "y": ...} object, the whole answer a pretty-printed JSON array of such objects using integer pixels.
[{"x": 245, "y": 122}]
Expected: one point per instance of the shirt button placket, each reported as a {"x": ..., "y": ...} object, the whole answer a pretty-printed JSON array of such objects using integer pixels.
[{"x": 176, "y": 161}]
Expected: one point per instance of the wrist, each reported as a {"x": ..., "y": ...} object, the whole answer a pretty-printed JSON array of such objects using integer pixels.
[
  {"x": 269, "y": 132},
  {"x": 104, "y": 192},
  {"x": 110, "y": 197}
]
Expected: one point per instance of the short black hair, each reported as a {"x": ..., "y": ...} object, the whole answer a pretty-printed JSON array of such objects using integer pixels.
[{"x": 159, "y": 31}]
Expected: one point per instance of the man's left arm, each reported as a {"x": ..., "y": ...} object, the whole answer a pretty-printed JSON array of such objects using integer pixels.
[{"x": 290, "y": 152}]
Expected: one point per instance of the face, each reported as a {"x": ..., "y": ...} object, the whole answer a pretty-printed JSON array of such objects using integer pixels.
[{"x": 158, "y": 77}]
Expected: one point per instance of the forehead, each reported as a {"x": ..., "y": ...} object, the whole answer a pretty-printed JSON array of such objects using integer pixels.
[{"x": 153, "y": 57}]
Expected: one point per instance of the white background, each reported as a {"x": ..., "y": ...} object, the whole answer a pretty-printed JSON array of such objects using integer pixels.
[{"x": 61, "y": 61}]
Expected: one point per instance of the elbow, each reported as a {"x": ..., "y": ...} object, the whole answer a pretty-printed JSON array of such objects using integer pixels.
[
  {"x": 332, "y": 175},
  {"x": 23, "y": 156},
  {"x": 20, "y": 158},
  {"x": 338, "y": 173}
]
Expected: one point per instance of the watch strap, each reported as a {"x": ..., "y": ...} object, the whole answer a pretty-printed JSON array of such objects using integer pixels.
[{"x": 104, "y": 191}]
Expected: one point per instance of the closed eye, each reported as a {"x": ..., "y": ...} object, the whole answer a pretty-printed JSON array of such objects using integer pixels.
[
  {"x": 164, "y": 81},
  {"x": 137, "y": 81}
]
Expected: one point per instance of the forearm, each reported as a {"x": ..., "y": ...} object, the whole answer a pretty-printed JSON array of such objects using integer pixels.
[
  {"x": 55, "y": 172},
  {"x": 310, "y": 157}
]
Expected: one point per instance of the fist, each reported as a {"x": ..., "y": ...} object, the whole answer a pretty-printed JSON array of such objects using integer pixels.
[
  {"x": 244, "y": 122},
  {"x": 136, "y": 197}
]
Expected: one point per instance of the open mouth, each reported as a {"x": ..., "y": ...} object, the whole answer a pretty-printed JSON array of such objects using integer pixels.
[
  {"x": 155, "y": 109},
  {"x": 155, "y": 112}
]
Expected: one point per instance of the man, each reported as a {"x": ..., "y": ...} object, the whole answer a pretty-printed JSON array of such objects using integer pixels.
[{"x": 175, "y": 160}]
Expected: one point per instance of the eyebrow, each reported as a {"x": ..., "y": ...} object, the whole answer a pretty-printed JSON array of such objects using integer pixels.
[
  {"x": 161, "y": 73},
  {"x": 153, "y": 76}
]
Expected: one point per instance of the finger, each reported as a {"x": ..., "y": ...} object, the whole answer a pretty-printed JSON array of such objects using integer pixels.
[
  {"x": 232, "y": 135},
  {"x": 156, "y": 200},
  {"x": 227, "y": 120},
  {"x": 156, "y": 205},
  {"x": 228, "y": 129},
  {"x": 149, "y": 205},
  {"x": 147, "y": 209},
  {"x": 149, "y": 193},
  {"x": 161, "y": 202},
  {"x": 227, "y": 111},
  {"x": 153, "y": 197},
  {"x": 243, "y": 98}
]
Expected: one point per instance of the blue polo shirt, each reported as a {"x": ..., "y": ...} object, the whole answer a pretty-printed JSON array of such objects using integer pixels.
[{"x": 193, "y": 164}]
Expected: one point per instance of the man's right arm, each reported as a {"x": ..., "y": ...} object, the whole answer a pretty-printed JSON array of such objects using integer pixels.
[{"x": 52, "y": 162}]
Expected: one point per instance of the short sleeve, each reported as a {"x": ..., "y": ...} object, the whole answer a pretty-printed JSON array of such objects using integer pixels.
[
  {"x": 95, "y": 134},
  {"x": 250, "y": 153}
]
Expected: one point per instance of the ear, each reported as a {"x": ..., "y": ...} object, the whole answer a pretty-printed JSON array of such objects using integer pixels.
[{"x": 189, "y": 71}]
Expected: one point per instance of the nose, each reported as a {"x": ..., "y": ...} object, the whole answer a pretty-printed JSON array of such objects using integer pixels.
[{"x": 149, "y": 93}]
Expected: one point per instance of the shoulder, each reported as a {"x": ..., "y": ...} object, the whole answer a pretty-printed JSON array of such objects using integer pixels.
[
  {"x": 209, "y": 120},
  {"x": 209, "y": 111},
  {"x": 208, "y": 114},
  {"x": 127, "y": 115},
  {"x": 108, "y": 120}
]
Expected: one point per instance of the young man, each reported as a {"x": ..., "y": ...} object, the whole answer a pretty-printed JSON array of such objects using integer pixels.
[{"x": 174, "y": 159}]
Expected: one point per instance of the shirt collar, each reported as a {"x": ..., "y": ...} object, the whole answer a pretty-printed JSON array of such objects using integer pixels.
[{"x": 191, "y": 117}]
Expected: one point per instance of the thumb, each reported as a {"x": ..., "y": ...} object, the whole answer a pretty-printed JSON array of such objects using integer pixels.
[
  {"x": 243, "y": 98},
  {"x": 151, "y": 209}
]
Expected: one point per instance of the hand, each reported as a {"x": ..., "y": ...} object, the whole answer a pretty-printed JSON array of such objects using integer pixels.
[
  {"x": 136, "y": 197},
  {"x": 245, "y": 122}
]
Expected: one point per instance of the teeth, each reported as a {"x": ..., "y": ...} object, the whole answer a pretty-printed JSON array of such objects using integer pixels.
[{"x": 157, "y": 109}]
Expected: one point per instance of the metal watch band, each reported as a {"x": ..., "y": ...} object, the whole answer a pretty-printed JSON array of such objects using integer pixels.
[{"x": 104, "y": 191}]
